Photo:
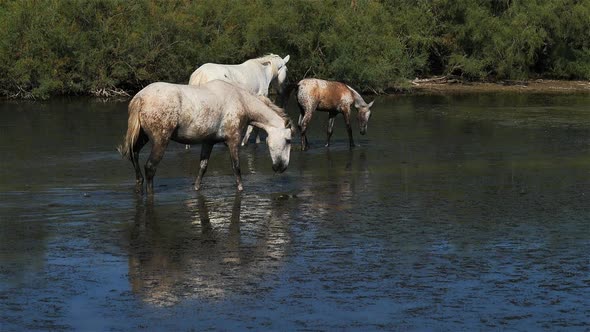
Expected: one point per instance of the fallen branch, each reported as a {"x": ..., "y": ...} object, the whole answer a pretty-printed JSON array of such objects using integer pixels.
[
  {"x": 432, "y": 80},
  {"x": 108, "y": 92}
]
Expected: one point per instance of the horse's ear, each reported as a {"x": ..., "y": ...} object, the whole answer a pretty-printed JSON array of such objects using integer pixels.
[
  {"x": 370, "y": 104},
  {"x": 286, "y": 59}
]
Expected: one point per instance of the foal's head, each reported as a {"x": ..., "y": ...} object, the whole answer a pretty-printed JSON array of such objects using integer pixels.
[{"x": 364, "y": 114}]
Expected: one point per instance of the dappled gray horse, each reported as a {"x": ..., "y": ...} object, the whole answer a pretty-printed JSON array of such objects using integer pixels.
[
  {"x": 215, "y": 112},
  {"x": 332, "y": 97}
]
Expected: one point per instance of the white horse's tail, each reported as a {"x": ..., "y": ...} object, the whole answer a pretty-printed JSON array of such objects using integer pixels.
[
  {"x": 198, "y": 77},
  {"x": 133, "y": 129}
]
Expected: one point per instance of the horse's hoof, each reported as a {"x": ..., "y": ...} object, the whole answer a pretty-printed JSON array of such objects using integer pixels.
[{"x": 240, "y": 188}]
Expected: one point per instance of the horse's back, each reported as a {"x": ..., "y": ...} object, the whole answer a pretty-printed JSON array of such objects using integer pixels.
[
  {"x": 247, "y": 75},
  {"x": 208, "y": 72},
  {"x": 191, "y": 114},
  {"x": 325, "y": 95},
  {"x": 214, "y": 71}
]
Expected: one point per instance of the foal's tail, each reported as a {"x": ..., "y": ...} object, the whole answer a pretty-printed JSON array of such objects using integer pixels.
[
  {"x": 287, "y": 91},
  {"x": 133, "y": 129}
]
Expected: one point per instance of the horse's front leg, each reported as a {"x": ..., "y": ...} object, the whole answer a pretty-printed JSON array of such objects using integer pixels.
[
  {"x": 330, "y": 127},
  {"x": 235, "y": 162},
  {"x": 205, "y": 154},
  {"x": 346, "y": 114}
]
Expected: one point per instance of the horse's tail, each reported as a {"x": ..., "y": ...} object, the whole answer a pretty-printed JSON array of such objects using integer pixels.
[
  {"x": 133, "y": 129},
  {"x": 198, "y": 77}
]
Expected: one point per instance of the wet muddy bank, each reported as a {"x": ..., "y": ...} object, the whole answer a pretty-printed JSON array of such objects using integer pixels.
[{"x": 442, "y": 85}]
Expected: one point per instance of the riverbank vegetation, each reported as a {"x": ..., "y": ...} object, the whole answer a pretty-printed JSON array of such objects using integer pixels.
[{"x": 100, "y": 47}]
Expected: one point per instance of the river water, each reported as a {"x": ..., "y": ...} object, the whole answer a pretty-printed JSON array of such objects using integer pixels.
[{"x": 455, "y": 212}]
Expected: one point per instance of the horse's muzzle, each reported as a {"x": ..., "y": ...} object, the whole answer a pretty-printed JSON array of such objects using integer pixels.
[
  {"x": 363, "y": 131},
  {"x": 279, "y": 168}
]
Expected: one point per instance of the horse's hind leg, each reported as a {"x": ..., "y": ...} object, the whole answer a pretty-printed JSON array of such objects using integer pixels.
[
  {"x": 256, "y": 132},
  {"x": 158, "y": 148},
  {"x": 139, "y": 144},
  {"x": 205, "y": 153},
  {"x": 249, "y": 131}
]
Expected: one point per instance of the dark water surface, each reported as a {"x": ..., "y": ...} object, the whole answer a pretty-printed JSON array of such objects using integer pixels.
[{"x": 455, "y": 213}]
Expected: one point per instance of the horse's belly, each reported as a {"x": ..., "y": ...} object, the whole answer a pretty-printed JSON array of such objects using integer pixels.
[{"x": 192, "y": 135}]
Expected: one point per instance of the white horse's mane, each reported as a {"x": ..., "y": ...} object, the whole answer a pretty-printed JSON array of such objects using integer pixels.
[{"x": 273, "y": 59}]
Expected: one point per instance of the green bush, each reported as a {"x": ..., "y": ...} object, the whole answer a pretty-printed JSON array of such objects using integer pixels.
[{"x": 54, "y": 47}]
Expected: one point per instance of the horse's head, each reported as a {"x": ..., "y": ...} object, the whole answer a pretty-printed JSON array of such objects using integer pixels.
[
  {"x": 279, "y": 80},
  {"x": 364, "y": 114},
  {"x": 279, "y": 144}
]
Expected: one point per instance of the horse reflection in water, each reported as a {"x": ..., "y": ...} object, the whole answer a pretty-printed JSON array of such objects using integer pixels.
[{"x": 204, "y": 252}]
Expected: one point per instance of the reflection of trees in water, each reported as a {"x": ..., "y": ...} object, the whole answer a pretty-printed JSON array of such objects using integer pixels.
[
  {"x": 214, "y": 248},
  {"x": 23, "y": 245},
  {"x": 337, "y": 183}
]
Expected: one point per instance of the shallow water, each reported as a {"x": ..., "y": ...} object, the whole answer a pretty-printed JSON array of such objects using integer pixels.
[{"x": 456, "y": 212}]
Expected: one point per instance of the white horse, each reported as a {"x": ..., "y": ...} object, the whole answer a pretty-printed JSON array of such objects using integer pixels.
[
  {"x": 254, "y": 75},
  {"x": 215, "y": 112}
]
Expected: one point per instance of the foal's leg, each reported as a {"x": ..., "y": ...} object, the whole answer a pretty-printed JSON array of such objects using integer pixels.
[
  {"x": 158, "y": 148},
  {"x": 205, "y": 153},
  {"x": 346, "y": 113},
  {"x": 235, "y": 162},
  {"x": 304, "y": 122},
  {"x": 330, "y": 127}
]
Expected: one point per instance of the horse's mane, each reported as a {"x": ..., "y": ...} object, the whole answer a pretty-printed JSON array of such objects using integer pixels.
[
  {"x": 272, "y": 58},
  {"x": 357, "y": 97},
  {"x": 279, "y": 111},
  {"x": 267, "y": 57}
]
